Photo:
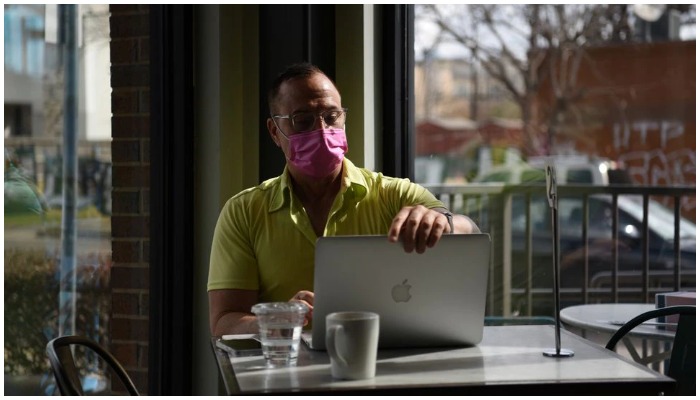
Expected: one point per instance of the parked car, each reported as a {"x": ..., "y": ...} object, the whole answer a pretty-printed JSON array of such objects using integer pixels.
[
  {"x": 583, "y": 170},
  {"x": 600, "y": 238},
  {"x": 570, "y": 170}
]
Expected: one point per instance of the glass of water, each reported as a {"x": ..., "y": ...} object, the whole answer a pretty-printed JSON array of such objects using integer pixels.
[{"x": 280, "y": 331}]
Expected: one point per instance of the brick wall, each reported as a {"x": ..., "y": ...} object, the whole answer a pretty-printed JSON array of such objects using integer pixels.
[
  {"x": 638, "y": 108},
  {"x": 129, "y": 52}
]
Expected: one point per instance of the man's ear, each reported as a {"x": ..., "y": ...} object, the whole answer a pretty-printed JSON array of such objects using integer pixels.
[{"x": 272, "y": 129}]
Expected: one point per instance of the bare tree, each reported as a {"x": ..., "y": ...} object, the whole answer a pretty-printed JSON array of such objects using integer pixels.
[
  {"x": 430, "y": 94},
  {"x": 530, "y": 48}
]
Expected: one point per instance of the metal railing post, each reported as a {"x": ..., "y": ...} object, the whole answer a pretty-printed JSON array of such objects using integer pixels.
[{"x": 507, "y": 253}]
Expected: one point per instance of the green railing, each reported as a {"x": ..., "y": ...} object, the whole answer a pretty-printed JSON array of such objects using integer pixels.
[{"x": 628, "y": 262}]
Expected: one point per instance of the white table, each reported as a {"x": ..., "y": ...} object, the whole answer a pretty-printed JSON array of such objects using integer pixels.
[
  {"x": 508, "y": 361},
  {"x": 608, "y": 318}
]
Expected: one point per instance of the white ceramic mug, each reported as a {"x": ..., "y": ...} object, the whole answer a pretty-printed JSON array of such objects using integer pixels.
[{"x": 351, "y": 341}]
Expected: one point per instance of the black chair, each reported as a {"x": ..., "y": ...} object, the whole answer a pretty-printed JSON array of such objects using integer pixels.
[
  {"x": 681, "y": 365},
  {"x": 67, "y": 373}
]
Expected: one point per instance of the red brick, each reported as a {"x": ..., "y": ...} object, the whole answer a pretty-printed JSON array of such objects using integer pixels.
[
  {"x": 143, "y": 356},
  {"x": 129, "y": 328},
  {"x": 116, "y": 9},
  {"x": 126, "y": 353},
  {"x": 126, "y": 150},
  {"x": 130, "y": 226},
  {"x": 126, "y": 251},
  {"x": 146, "y": 150},
  {"x": 144, "y": 101},
  {"x": 126, "y": 202},
  {"x": 146, "y": 250},
  {"x": 125, "y": 304},
  {"x": 130, "y": 80},
  {"x": 130, "y": 126},
  {"x": 125, "y": 101},
  {"x": 129, "y": 25},
  {"x": 129, "y": 278},
  {"x": 124, "y": 51},
  {"x": 144, "y": 49},
  {"x": 145, "y": 201},
  {"x": 140, "y": 379},
  {"x": 130, "y": 176},
  {"x": 130, "y": 75},
  {"x": 144, "y": 305}
]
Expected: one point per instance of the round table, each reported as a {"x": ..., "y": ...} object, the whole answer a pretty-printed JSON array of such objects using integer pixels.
[{"x": 608, "y": 318}]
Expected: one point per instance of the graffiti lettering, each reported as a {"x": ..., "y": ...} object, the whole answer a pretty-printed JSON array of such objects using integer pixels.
[
  {"x": 653, "y": 163},
  {"x": 657, "y": 168},
  {"x": 667, "y": 130}
]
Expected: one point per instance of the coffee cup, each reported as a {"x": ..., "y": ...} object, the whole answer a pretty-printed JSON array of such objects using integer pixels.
[{"x": 351, "y": 342}]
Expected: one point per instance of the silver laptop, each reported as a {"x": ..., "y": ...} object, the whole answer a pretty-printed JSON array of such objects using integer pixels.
[{"x": 437, "y": 298}]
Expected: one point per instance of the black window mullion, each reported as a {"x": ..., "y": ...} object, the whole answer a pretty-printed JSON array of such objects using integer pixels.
[
  {"x": 398, "y": 135},
  {"x": 172, "y": 200}
]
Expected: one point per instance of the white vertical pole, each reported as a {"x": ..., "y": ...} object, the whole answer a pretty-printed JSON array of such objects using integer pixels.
[{"x": 67, "y": 293}]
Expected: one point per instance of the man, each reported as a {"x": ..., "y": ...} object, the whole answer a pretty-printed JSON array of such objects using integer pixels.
[{"x": 263, "y": 246}]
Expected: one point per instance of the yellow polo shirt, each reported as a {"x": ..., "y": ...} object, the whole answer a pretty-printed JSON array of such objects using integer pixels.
[{"x": 264, "y": 240}]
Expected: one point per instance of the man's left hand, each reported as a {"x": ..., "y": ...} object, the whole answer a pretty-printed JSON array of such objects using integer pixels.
[{"x": 418, "y": 227}]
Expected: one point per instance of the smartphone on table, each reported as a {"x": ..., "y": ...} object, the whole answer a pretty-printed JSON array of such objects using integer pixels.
[{"x": 240, "y": 345}]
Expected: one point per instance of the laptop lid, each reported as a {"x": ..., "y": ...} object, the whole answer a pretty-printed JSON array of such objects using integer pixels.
[{"x": 437, "y": 298}]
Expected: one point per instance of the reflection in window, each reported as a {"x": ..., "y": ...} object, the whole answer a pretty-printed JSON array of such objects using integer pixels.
[
  {"x": 605, "y": 93},
  {"x": 33, "y": 138},
  {"x": 609, "y": 81},
  {"x": 24, "y": 39}
]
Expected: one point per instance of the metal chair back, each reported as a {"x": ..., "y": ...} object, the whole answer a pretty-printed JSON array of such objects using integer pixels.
[
  {"x": 682, "y": 361},
  {"x": 67, "y": 373}
]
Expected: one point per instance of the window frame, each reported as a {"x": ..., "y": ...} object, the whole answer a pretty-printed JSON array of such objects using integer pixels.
[{"x": 398, "y": 100}]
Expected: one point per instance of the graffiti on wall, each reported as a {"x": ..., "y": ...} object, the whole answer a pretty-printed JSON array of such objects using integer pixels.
[
  {"x": 643, "y": 148},
  {"x": 642, "y": 132}
]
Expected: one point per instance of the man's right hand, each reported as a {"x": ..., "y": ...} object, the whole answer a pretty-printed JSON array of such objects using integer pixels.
[
  {"x": 229, "y": 310},
  {"x": 306, "y": 297}
]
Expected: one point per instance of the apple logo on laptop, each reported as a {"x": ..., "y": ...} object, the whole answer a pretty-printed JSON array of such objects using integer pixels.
[{"x": 401, "y": 292}]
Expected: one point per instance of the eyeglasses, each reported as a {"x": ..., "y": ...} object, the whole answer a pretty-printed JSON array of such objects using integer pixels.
[{"x": 305, "y": 121}]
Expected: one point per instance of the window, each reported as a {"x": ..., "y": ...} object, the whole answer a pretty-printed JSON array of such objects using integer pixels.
[
  {"x": 607, "y": 81},
  {"x": 605, "y": 93},
  {"x": 37, "y": 253}
]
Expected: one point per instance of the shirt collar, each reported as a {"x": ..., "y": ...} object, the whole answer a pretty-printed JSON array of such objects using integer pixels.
[
  {"x": 281, "y": 195},
  {"x": 353, "y": 183}
]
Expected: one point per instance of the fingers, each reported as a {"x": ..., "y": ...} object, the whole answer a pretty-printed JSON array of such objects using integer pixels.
[
  {"x": 398, "y": 223},
  {"x": 423, "y": 228},
  {"x": 418, "y": 228},
  {"x": 436, "y": 233},
  {"x": 306, "y": 297},
  {"x": 406, "y": 227}
]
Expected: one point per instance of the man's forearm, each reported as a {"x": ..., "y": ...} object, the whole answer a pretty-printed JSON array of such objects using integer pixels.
[
  {"x": 236, "y": 323},
  {"x": 464, "y": 224}
]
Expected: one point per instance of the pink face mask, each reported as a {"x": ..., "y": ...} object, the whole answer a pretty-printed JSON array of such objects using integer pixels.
[{"x": 317, "y": 153}]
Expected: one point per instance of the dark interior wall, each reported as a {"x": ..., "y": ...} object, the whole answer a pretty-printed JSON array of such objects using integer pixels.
[{"x": 290, "y": 34}]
